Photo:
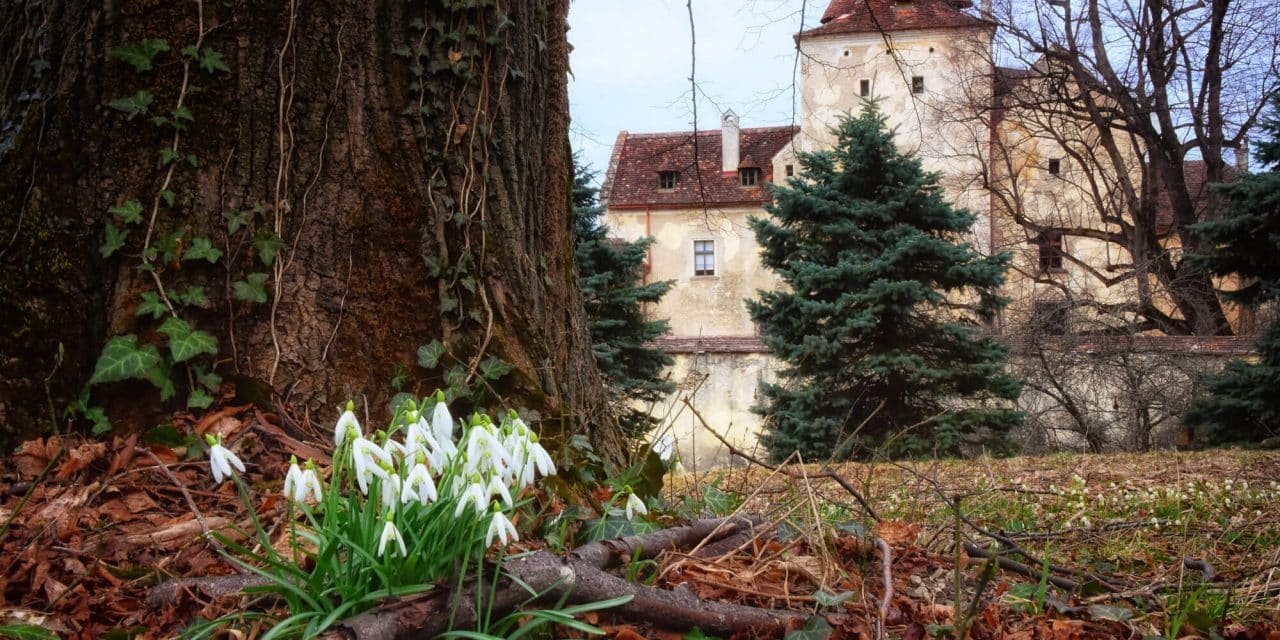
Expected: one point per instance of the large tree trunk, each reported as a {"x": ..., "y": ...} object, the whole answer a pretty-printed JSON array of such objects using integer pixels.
[{"x": 411, "y": 158}]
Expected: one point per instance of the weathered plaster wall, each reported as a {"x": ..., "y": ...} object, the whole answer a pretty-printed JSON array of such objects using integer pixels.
[
  {"x": 722, "y": 387},
  {"x": 939, "y": 125},
  {"x": 700, "y": 305}
]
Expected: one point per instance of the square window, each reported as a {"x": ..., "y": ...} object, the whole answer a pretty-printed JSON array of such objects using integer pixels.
[
  {"x": 1049, "y": 245},
  {"x": 917, "y": 84},
  {"x": 748, "y": 176},
  {"x": 704, "y": 257},
  {"x": 864, "y": 88},
  {"x": 666, "y": 179},
  {"x": 1055, "y": 166}
]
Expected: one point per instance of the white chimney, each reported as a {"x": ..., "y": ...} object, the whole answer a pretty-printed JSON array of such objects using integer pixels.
[
  {"x": 729, "y": 142},
  {"x": 1242, "y": 155}
]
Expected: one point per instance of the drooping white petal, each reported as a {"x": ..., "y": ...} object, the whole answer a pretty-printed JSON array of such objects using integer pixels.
[
  {"x": 311, "y": 482},
  {"x": 501, "y": 527},
  {"x": 295, "y": 487},
  {"x": 499, "y": 488},
  {"x": 418, "y": 486},
  {"x": 635, "y": 505},
  {"x": 442, "y": 427},
  {"x": 346, "y": 422},
  {"x": 221, "y": 460},
  {"x": 390, "y": 532}
]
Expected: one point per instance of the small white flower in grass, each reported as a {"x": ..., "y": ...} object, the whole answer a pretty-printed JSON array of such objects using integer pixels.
[
  {"x": 221, "y": 459},
  {"x": 347, "y": 426},
  {"x": 390, "y": 532},
  {"x": 499, "y": 488},
  {"x": 473, "y": 492},
  {"x": 418, "y": 486},
  {"x": 366, "y": 455},
  {"x": 442, "y": 426},
  {"x": 299, "y": 483},
  {"x": 635, "y": 505},
  {"x": 391, "y": 488},
  {"x": 500, "y": 526}
]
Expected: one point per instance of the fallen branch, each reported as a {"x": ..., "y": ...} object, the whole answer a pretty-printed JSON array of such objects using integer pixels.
[
  {"x": 886, "y": 561},
  {"x": 1010, "y": 564},
  {"x": 541, "y": 576}
]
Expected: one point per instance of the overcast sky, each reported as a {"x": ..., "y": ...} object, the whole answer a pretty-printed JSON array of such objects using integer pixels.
[{"x": 631, "y": 65}]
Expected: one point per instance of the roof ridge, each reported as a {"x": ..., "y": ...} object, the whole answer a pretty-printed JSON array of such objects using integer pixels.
[{"x": 711, "y": 132}]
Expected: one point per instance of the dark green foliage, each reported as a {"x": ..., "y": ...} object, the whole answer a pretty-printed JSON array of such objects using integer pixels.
[
  {"x": 876, "y": 267},
  {"x": 610, "y": 272},
  {"x": 1243, "y": 403}
]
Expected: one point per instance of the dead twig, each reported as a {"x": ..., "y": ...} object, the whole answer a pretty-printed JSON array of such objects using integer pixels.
[{"x": 186, "y": 495}]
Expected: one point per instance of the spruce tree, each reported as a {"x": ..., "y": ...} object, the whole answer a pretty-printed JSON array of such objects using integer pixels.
[
  {"x": 610, "y": 272},
  {"x": 1242, "y": 403},
  {"x": 877, "y": 325}
]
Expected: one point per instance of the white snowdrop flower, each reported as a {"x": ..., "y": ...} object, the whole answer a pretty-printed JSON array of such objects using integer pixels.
[
  {"x": 221, "y": 460},
  {"x": 472, "y": 493},
  {"x": 391, "y": 487},
  {"x": 419, "y": 440},
  {"x": 366, "y": 456},
  {"x": 501, "y": 527},
  {"x": 635, "y": 505},
  {"x": 418, "y": 486},
  {"x": 347, "y": 425},
  {"x": 498, "y": 488},
  {"x": 485, "y": 455},
  {"x": 390, "y": 532},
  {"x": 299, "y": 483},
  {"x": 664, "y": 446},
  {"x": 442, "y": 426}
]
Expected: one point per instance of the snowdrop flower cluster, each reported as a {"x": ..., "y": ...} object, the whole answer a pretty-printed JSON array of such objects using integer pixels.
[{"x": 419, "y": 463}]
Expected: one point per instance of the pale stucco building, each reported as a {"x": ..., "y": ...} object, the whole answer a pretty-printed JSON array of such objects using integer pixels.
[{"x": 928, "y": 63}]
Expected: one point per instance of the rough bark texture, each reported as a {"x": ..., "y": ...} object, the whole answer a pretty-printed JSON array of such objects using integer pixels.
[{"x": 412, "y": 158}]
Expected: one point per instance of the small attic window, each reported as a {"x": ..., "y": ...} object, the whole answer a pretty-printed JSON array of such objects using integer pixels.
[
  {"x": 791, "y": 170},
  {"x": 748, "y": 176},
  {"x": 864, "y": 88},
  {"x": 917, "y": 84},
  {"x": 1055, "y": 166},
  {"x": 666, "y": 180}
]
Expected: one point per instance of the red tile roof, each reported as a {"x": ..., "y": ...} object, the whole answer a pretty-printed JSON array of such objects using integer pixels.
[
  {"x": 871, "y": 16},
  {"x": 632, "y": 179}
]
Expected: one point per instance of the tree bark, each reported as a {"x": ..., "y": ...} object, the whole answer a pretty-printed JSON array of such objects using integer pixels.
[{"x": 408, "y": 161}]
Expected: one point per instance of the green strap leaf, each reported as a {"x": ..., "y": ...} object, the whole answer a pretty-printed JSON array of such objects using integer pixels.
[{"x": 186, "y": 343}]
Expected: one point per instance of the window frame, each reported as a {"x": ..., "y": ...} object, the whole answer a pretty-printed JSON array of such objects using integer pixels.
[
  {"x": 864, "y": 88},
  {"x": 1054, "y": 166},
  {"x": 704, "y": 258},
  {"x": 1051, "y": 251},
  {"x": 917, "y": 84},
  {"x": 757, "y": 176},
  {"x": 665, "y": 178}
]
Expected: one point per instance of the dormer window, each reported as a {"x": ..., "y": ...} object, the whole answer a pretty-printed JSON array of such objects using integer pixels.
[
  {"x": 748, "y": 176},
  {"x": 917, "y": 84},
  {"x": 666, "y": 180}
]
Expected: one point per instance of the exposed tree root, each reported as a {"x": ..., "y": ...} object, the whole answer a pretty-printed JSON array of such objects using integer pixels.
[{"x": 542, "y": 576}]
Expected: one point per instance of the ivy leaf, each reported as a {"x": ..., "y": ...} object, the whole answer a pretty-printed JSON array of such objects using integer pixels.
[
  {"x": 129, "y": 212},
  {"x": 113, "y": 241},
  {"x": 141, "y": 54},
  {"x": 134, "y": 105},
  {"x": 252, "y": 288},
  {"x": 190, "y": 51},
  {"x": 151, "y": 304},
  {"x": 210, "y": 379},
  {"x": 193, "y": 296},
  {"x": 96, "y": 415},
  {"x": 122, "y": 359},
  {"x": 202, "y": 249},
  {"x": 183, "y": 114},
  {"x": 186, "y": 343},
  {"x": 493, "y": 368},
  {"x": 193, "y": 160},
  {"x": 235, "y": 220},
  {"x": 199, "y": 399},
  {"x": 169, "y": 197},
  {"x": 816, "y": 628},
  {"x": 268, "y": 245},
  {"x": 429, "y": 355},
  {"x": 211, "y": 61},
  {"x": 167, "y": 156},
  {"x": 830, "y": 600}
]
